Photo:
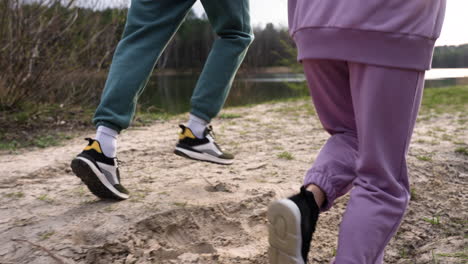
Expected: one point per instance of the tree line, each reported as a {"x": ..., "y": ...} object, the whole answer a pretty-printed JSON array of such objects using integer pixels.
[
  {"x": 50, "y": 50},
  {"x": 451, "y": 57}
]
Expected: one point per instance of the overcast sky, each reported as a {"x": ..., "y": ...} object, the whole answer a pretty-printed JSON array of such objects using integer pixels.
[{"x": 454, "y": 32}]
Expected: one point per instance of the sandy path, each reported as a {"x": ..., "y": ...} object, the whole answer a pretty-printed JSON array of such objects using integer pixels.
[{"x": 182, "y": 211}]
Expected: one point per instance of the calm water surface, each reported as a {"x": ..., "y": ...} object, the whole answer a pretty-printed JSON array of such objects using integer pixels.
[{"x": 171, "y": 93}]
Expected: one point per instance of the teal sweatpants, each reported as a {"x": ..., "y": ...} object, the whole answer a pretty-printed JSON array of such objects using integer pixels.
[{"x": 150, "y": 26}]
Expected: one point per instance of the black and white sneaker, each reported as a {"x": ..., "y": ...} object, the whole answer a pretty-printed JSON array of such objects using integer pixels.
[
  {"x": 204, "y": 149},
  {"x": 292, "y": 222},
  {"x": 98, "y": 172}
]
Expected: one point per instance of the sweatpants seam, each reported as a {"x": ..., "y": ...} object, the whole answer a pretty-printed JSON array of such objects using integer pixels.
[
  {"x": 381, "y": 249},
  {"x": 243, "y": 17}
]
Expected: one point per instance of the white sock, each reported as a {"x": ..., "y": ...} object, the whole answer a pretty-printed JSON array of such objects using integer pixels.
[
  {"x": 197, "y": 125},
  {"x": 107, "y": 137}
]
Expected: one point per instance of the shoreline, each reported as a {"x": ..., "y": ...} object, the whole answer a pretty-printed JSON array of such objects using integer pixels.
[{"x": 54, "y": 125}]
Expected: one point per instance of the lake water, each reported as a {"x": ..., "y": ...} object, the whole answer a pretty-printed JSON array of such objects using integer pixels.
[{"x": 171, "y": 93}]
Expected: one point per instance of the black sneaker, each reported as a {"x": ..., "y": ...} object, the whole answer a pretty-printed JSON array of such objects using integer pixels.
[
  {"x": 204, "y": 149},
  {"x": 98, "y": 172},
  {"x": 292, "y": 223}
]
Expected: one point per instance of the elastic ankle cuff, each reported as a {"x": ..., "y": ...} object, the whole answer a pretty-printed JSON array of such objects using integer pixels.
[{"x": 321, "y": 180}]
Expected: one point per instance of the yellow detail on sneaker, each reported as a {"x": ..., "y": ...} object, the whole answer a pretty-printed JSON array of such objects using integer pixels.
[
  {"x": 187, "y": 133},
  {"x": 94, "y": 146}
]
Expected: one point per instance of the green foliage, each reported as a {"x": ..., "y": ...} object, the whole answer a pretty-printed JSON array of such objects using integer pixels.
[
  {"x": 451, "y": 57},
  {"x": 462, "y": 150},
  {"x": 41, "y": 125},
  {"x": 285, "y": 155},
  {"x": 435, "y": 220},
  {"x": 15, "y": 195},
  {"x": 290, "y": 55},
  {"x": 446, "y": 99},
  {"x": 45, "y": 198},
  {"x": 229, "y": 116},
  {"x": 413, "y": 196},
  {"x": 424, "y": 158},
  {"x": 460, "y": 255},
  {"x": 47, "y": 235}
]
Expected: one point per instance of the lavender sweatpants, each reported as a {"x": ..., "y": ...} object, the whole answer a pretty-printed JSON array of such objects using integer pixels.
[{"x": 370, "y": 112}]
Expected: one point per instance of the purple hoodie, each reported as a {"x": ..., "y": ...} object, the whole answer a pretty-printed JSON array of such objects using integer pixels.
[{"x": 392, "y": 33}]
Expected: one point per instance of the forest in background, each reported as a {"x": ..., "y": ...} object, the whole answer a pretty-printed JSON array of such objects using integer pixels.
[{"x": 51, "y": 53}]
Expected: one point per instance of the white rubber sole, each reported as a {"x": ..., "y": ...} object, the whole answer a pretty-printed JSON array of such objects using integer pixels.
[
  {"x": 284, "y": 233},
  {"x": 202, "y": 156},
  {"x": 102, "y": 178}
]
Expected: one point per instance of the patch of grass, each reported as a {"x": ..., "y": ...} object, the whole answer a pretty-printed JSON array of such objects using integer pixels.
[
  {"x": 291, "y": 110},
  {"x": 180, "y": 204},
  {"x": 46, "y": 141},
  {"x": 91, "y": 201},
  {"x": 413, "y": 194},
  {"x": 435, "y": 220},
  {"x": 424, "y": 158},
  {"x": 81, "y": 191},
  {"x": 462, "y": 255},
  {"x": 278, "y": 147},
  {"x": 260, "y": 180},
  {"x": 285, "y": 155},
  {"x": 139, "y": 195},
  {"x": 446, "y": 99},
  {"x": 462, "y": 150},
  {"x": 41, "y": 125},
  {"x": 148, "y": 118},
  {"x": 421, "y": 141},
  {"x": 423, "y": 117},
  {"x": 446, "y": 137},
  {"x": 109, "y": 208},
  {"x": 47, "y": 235},
  {"x": 403, "y": 253},
  {"x": 11, "y": 145},
  {"x": 15, "y": 195},
  {"x": 231, "y": 123},
  {"x": 45, "y": 125},
  {"x": 45, "y": 198},
  {"x": 252, "y": 120},
  {"x": 36, "y": 140},
  {"x": 434, "y": 258},
  {"x": 229, "y": 116}
]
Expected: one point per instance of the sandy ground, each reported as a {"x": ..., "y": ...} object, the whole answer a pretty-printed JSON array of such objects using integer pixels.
[{"x": 182, "y": 211}]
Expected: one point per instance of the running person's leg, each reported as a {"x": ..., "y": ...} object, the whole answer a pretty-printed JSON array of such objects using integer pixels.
[
  {"x": 231, "y": 22},
  {"x": 386, "y": 103},
  {"x": 333, "y": 169},
  {"x": 150, "y": 25}
]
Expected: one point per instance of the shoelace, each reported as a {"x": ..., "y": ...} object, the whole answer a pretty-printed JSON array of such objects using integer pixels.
[
  {"x": 210, "y": 131},
  {"x": 212, "y": 134}
]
